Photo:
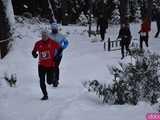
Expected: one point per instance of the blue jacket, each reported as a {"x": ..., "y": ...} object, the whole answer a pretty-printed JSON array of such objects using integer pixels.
[{"x": 61, "y": 40}]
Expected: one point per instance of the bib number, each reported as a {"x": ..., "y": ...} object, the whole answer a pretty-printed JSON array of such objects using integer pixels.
[
  {"x": 44, "y": 55},
  {"x": 143, "y": 34}
]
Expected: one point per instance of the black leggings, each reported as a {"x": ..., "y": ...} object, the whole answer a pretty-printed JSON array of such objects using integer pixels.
[
  {"x": 158, "y": 30},
  {"x": 57, "y": 62},
  {"x": 143, "y": 39},
  {"x": 102, "y": 32},
  {"x": 124, "y": 43},
  {"x": 45, "y": 72}
]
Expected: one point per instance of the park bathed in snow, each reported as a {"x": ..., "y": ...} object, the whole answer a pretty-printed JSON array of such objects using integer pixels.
[{"x": 83, "y": 60}]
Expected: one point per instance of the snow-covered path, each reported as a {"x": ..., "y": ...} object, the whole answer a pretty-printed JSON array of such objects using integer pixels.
[{"x": 82, "y": 61}]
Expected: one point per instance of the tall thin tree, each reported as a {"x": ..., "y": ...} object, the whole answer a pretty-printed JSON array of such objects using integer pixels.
[
  {"x": 5, "y": 28},
  {"x": 149, "y": 9},
  {"x": 124, "y": 11}
]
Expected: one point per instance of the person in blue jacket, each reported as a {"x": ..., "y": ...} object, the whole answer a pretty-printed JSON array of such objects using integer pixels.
[{"x": 63, "y": 43}]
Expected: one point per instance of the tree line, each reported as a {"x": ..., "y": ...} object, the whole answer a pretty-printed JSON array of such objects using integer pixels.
[{"x": 70, "y": 10}]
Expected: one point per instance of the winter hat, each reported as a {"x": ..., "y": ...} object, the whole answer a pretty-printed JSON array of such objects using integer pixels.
[
  {"x": 44, "y": 31},
  {"x": 54, "y": 26}
]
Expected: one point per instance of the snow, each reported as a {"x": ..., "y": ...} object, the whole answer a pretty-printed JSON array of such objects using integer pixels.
[{"x": 82, "y": 61}]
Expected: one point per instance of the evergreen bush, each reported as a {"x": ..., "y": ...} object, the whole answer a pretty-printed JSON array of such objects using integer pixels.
[
  {"x": 11, "y": 80},
  {"x": 133, "y": 82}
]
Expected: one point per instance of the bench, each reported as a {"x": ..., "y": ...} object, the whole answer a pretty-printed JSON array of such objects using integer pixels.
[{"x": 114, "y": 45}]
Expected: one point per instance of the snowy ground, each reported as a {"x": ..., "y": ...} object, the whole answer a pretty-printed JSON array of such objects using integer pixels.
[{"x": 82, "y": 61}]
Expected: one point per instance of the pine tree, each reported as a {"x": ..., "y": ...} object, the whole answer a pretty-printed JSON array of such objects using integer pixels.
[
  {"x": 83, "y": 20},
  {"x": 137, "y": 14},
  {"x": 132, "y": 10},
  {"x": 115, "y": 18}
]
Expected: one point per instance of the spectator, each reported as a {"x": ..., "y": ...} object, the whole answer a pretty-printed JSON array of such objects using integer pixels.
[
  {"x": 144, "y": 30},
  {"x": 125, "y": 36}
]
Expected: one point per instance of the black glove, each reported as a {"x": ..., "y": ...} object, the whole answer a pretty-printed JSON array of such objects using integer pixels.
[
  {"x": 34, "y": 54},
  {"x": 60, "y": 50}
]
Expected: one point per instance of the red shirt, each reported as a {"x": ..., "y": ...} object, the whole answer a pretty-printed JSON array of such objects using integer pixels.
[
  {"x": 145, "y": 27},
  {"x": 46, "y": 51}
]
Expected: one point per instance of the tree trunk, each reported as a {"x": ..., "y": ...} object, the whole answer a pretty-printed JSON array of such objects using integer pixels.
[
  {"x": 149, "y": 10},
  {"x": 4, "y": 30},
  {"x": 90, "y": 17},
  {"x": 44, "y": 5},
  {"x": 65, "y": 12},
  {"x": 124, "y": 10}
]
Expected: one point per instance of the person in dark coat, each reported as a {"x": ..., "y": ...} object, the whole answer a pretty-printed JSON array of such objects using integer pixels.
[
  {"x": 102, "y": 18},
  {"x": 157, "y": 19},
  {"x": 125, "y": 36},
  {"x": 103, "y": 25}
]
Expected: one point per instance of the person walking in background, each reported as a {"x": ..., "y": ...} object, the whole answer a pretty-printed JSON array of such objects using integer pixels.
[
  {"x": 102, "y": 23},
  {"x": 125, "y": 36},
  {"x": 63, "y": 43},
  {"x": 45, "y": 49},
  {"x": 144, "y": 30},
  {"x": 157, "y": 19},
  {"x": 102, "y": 18}
]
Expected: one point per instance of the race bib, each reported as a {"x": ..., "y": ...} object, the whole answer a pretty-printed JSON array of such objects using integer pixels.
[
  {"x": 44, "y": 55},
  {"x": 143, "y": 34}
]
